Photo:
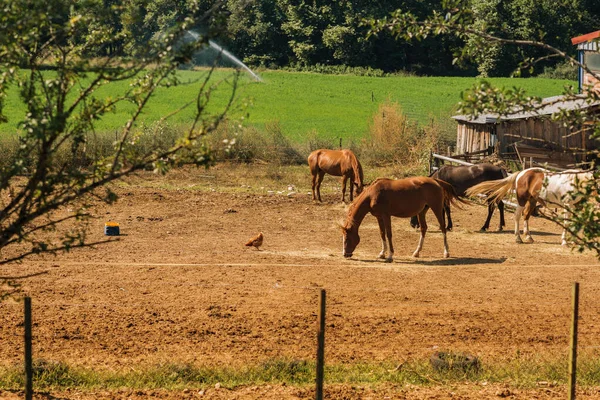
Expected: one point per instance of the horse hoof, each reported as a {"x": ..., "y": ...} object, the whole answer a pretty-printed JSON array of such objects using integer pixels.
[
  {"x": 446, "y": 254},
  {"x": 484, "y": 229},
  {"x": 389, "y": 260},
  {"x": 519, "y": 240},
  {"x": 416, "y": 255},
  {"x": 500, "y": 229},
  {"x": 381, "y": 256},
  {"x": 528, "y": 239}
]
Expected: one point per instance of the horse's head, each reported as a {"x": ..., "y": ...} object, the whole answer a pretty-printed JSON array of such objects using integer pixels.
[{"x": 350, "y": 240}]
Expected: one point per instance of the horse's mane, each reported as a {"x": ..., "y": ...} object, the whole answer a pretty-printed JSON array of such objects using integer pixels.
[{"x": 358, "y": 200}]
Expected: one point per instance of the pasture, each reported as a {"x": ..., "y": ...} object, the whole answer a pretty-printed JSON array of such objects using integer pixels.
[
  {"x": 179, "y": 290},
  {"x": 306, "y": 104}
]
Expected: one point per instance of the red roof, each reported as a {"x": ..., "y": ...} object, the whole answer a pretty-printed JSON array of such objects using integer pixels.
[{"x": 585, "y": 38}]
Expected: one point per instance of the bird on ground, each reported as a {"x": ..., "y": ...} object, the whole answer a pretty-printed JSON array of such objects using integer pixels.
[{"x": 256, "y": 241}]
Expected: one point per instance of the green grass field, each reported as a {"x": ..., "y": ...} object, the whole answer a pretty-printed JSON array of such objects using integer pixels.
[{"x": 306, "y": 104}]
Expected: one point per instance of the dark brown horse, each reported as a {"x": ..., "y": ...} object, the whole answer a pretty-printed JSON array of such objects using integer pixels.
[
  {"x": 463, "y": 177},
  {"x": 404, "y": 198},
  {"x": 338, "y": 163}
]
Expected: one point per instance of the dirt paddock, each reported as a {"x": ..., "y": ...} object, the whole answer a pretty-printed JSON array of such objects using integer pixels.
[{"x": 180, "y": 286}]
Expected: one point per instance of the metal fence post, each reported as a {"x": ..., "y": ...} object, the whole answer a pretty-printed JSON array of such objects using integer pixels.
[
  {"x": 28, "y": 351},
  {"x": 320, "y": 346},
  {"x": 573, "y": 347}
]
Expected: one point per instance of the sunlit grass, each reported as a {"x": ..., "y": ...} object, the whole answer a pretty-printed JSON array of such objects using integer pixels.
[
  {"x": 518, "y": 373},
  {"x": 306, "y": 104}
]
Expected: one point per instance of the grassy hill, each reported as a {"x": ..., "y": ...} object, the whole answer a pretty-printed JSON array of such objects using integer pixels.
[{"x": 325, "y": 106}]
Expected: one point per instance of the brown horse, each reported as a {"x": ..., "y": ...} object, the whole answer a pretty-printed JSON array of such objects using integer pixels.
[
  {"x": 338, "y": 163},
  {"x": 404, "y": 198},
  {"x": 532, "y": 186}
]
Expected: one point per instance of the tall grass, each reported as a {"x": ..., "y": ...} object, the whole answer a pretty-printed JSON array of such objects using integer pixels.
[{"x": 393, "y": 140}]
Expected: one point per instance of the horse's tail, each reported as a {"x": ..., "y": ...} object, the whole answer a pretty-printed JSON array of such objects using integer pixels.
[
  {"x": 357, "y": 170},
  {"x": 450, "y": 196},
  {"x": 495, "y": 190},
  {"x": 313, "y": 161}
]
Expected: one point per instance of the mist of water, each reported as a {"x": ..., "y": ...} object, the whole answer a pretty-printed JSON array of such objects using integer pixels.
[{"x": 228, "y": 55}]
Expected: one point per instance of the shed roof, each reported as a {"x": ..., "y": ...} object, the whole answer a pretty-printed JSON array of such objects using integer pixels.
[
  {"x": 588, "y": 42},
  {"x": 586, "y": 38},
  {"x": 549, "y": 106}
]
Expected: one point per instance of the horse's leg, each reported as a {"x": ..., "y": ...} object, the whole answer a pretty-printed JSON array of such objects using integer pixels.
[
  {"x": 314, "y": 184},
  {"x": 344, "y": 179},
  {"x": 447, "y": 211},
  {"x": 491, "y": 207},
  {"x": 351, "y": 189},
  {"x": 501, "y": 210},
  {"x": 529, "y": 209},
  {"x": 423, "y": 226},
  {"x": 440, "y": 217},
  {"x": 518, "y": 212},
  {"x": 387, "y": 221},
  {"x": 319, "y": 180},
  {"x": 414, "y": 220},
  {"x": 563, "y": 240},
  {"x": 382, "y": 234}
]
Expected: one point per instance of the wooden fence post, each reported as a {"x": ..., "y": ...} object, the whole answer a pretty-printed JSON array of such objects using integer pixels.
[
  {"x": 573, "y": 348},
  {"x": 28, "y": 351},
  {"x": 320, "y": 346}
]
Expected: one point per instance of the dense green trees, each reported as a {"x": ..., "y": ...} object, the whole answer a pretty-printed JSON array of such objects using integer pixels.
[{"x": 282, "y": 33}]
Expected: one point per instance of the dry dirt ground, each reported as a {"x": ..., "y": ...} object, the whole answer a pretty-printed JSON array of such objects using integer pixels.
[{"x": 180, "y": 286}]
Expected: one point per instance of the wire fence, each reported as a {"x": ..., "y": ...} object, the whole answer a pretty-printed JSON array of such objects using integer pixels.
[{"x": 254, "y": 321}]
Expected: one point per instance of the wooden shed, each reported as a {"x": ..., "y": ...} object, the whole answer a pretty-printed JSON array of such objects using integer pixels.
[
  {"x": 534, "y": 134},
  {"x": 529, "y": 134}
]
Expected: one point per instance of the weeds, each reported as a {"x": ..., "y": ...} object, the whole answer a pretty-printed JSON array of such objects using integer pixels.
[
  {"x": 393, "y": 140},
  {"x": 519, "y": 373}
]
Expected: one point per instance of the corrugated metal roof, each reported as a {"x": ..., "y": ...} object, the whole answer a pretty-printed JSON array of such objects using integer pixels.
[
  {"x": 588, "y": 46},
  {"x": 549, "y": 106}
]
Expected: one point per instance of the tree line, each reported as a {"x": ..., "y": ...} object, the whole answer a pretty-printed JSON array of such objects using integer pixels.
[{"x": 307, "y": 33}]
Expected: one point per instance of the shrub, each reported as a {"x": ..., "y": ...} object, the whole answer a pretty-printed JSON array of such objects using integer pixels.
[
  {"x": 562, "y": 70},
  {"x": 395, "y": 140}
]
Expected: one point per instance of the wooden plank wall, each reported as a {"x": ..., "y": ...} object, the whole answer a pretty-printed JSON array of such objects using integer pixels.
[
  {"x": 473, "y": 137},
  {"x": 541, "y": 132}
]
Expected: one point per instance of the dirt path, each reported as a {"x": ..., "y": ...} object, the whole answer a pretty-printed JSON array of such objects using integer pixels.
[{"x": 179, "y": 286}]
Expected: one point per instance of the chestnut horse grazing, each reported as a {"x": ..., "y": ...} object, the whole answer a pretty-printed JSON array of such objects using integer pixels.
[
  {"x": 461, "y": 178},
  {"x": 404, "y": 198},
  {"x": 531, "y": 186},
  {"x": 338, "y": 163}
]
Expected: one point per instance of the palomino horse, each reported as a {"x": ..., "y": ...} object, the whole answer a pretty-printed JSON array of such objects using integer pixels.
[
  {"x": 385, "y": 198},
  {"x": 534, "y": 185},
  {"x": 338, "y": 163},
  {"x": 463, "y": 177}
]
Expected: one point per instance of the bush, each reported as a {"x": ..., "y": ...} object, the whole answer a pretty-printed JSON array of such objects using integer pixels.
[
  {"x": 397, "y": 141},
  {"x": 563, "y": 70}
]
